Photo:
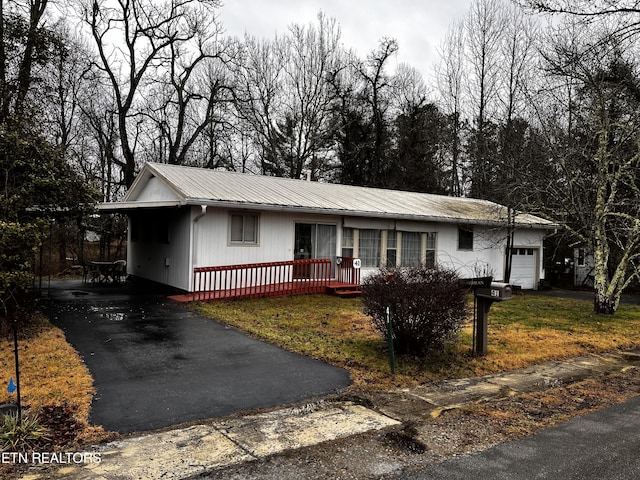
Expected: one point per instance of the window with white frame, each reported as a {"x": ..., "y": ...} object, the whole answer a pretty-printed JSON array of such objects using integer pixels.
[
  {"x": 243, "y": 229},
  {"x": 392, "y": 248},
  {"x": 411, "y": 249},
  {"x": 430, "y": 253},
  {"x": 369, "y": 243},
  {"x": 395, "y": 248},
  {"x": 347, "y": 242}
]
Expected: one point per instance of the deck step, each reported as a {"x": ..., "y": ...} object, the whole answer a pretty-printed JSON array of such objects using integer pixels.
[
  {"x": 344, "y": 290},
  {"x": 347, "y": 293}
]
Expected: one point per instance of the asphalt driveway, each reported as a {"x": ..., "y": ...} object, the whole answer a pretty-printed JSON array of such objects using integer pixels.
[{"x": 157, "y": 364}]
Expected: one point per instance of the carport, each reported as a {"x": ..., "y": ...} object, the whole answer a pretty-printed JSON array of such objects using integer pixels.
[{"x": 155, "y": 363}]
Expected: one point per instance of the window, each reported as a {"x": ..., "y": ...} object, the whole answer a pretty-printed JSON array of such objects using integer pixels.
[
  {"x": 314, "y": 240},
  {"x": 465, "y": 238},
  {"x": 430, "y": 254},
  {"x": 411, "y": 249},
  {"x": 392, "y": 248},
  {"x": 347, "y": 242},
  {"x": 406, "y": 249},
  {"x": 369, "y": 247},
  {"x": 581, "y": 257},
  {"x": 243, "y": 229}
]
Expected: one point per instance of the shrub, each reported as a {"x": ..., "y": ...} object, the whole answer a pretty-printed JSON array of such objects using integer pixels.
[
  {"x": 427, "y": 306},
  {"x": 22, "y": 434}
]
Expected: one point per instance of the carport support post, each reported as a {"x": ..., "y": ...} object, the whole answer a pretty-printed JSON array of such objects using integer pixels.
[{"x": 482, "y": 314}]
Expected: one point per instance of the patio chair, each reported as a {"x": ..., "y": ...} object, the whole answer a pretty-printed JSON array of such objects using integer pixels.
[
  {"x": 90, "y": 273},
  {"x": 119, "y": 271}
]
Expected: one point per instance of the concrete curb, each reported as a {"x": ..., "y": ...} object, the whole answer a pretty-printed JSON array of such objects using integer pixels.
[
  {"x": 187, "y": 452},
  {"x": 432, "y": 399}
]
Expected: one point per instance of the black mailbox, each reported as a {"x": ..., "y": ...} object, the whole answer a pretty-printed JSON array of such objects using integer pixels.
[{"x": 497, "y": 291}]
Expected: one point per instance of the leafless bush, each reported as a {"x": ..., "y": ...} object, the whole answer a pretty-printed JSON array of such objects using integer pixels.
[{"x": 426, "y": 304}]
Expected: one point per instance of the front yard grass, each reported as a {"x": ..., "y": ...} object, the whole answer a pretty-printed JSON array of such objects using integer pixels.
[
  {"x": 52, "y": 376},
  {"x": 527, "y": 330}
]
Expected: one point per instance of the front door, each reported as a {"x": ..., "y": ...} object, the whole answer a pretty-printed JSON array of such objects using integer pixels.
[{"x": 315, "y": 240}]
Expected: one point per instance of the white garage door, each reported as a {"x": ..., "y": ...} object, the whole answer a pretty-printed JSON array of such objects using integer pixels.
[{"x": 524, "y": 267}]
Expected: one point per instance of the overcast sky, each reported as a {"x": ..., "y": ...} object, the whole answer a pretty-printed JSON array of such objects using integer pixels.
[{"x": 418, "y": 25}]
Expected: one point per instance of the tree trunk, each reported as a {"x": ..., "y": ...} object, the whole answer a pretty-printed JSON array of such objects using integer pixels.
[
  {"x": 36, "y": 12},
  {"x": 607, "y": 295},
  {"x": 4, "y": 93},
  {"x": 604, "y": 305}
]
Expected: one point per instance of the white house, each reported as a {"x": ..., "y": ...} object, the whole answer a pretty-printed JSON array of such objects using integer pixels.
[
  {"x": 583, "y": 266},
  {"x": 181, "y": 218}
]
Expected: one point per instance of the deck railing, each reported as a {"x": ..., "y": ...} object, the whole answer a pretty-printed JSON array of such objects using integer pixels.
[
  {"x": 347, "y": 272},
  {"x": 261, "y": 279}
]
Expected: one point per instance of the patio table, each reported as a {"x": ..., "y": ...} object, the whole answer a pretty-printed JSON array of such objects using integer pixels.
[{"x": 102, "y": 271}]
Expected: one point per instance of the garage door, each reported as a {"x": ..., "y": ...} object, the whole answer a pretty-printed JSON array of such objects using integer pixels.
[{"x": 524, "y": 267}]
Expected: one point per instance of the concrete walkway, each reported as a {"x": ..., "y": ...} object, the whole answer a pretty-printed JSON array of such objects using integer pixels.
[{"x": 206, "y": 447}]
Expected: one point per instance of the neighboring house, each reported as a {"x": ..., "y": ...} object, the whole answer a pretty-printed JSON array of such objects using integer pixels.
[
  {"x": 583, "y": 266},
  {"x": 181, "y": 218}
]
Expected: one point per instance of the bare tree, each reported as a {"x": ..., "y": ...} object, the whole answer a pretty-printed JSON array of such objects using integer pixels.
[
  {"x": 351, "y": 128},
  {"x": 592, "y": 186},
  {"x": 14, "y": 91},
  {"x": 483, "y": 27},
  {"x": 623, "y": 16},
  {"x": 134, "y": 39},
  {"x": 378, "y": 85},
  {"x": 101, "y": 161},
  {"x": 583, "y": 8},
  {"x": 284, "y": 96},
  {"x": 258, "y": 84},
  {"x": 519, "y": 60},
  {"x": 187, "y": 94},
  {"x": 516, "y": 66},
  {"x": 450, "y": 74}
]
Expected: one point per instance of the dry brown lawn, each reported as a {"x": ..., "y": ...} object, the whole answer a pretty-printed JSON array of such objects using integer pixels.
[
  {"x": 527, "y": 330},
  {"x": 51, "y": 374}
]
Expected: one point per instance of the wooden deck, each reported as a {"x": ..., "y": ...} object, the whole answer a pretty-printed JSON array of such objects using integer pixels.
[
  {"x": 273, "y": 279},
  {"x": 261, "y": 291}
]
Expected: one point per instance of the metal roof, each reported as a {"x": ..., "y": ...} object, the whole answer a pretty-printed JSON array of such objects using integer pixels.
[{"x": 199, "y": 186}]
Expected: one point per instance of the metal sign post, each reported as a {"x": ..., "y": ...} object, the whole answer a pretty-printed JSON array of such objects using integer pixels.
[
  {"x": 4, "y": 303},
  {"x": 392, "y": 355},
  {"x": 15, "y": 351}
]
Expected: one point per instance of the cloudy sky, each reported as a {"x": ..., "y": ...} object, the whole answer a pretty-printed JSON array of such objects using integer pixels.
[{"x": 418, "y": 25}]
